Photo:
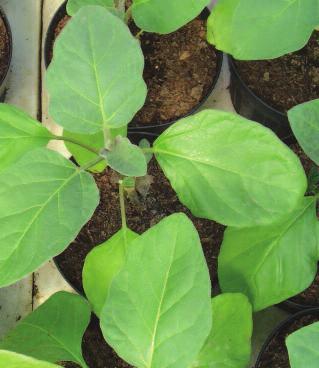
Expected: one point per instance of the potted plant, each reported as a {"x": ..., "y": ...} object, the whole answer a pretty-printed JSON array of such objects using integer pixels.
[
  {"x": 181, "y": 67},
  {"x": 276, "y": 262},
  {"x": 5, "y": 52},
  {"x": 161, "y": 316},
  {"x": 293, "y": 343},
  {"x": 274, "y": 57}
]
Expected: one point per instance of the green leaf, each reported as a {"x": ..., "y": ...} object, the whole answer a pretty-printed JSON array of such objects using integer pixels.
[
  {"x": 92, "y": 83},
  {"x": 102, "y": 264},
  {"x": 229, "y": 342},
  {"x": 303, "y": 347},
  {"x": 54, "y": 331},
  {"x": 84, "y": 156},
  {"x": 229, "y": 169},
  {"x": 44, "y": 202},
  {"x": 19, "y": 133},
  {"x": 165, "y": 16},
  {"x": 13, "y": 360},
  {"x": 247, "y": 29},
  {"x": 157, "y": 313},
  {"x": 272, "y": 263},
  {"x": 73, "y": 6},
  {"x": 126, "y": 158},
  {"x": 304, "y": 122}
]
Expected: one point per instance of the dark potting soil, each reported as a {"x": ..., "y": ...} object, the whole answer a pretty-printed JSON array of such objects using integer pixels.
[
  {"x": 276, "y": 354},
  {"x": 310, "y": 296},
  {"x": 96, "y": 352},
  {"x": 4, "y": 49},
  {"x": 286, "y": 81},
  {"x": 142, "y": 213},
  {"x": 180, "y": 69}
]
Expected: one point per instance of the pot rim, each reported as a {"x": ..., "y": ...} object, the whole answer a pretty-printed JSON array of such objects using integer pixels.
[{"x": 283, "y": 324}]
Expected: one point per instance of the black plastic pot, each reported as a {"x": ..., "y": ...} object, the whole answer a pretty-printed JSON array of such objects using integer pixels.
[
  {"x": 135, "y": 137},
  {"x": 250, "y": 106},
  {"x": 293, "y": 307},
  {"x": 3, "y": 81},
  {"x": 151, "y": 129},
  {"x": 281, "y": 327}
]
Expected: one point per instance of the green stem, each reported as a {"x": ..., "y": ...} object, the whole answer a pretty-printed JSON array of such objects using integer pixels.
[
  {"x": 139, "y": 34},
  {"x": 91, "y": 163},
  {"x": 122, "y": 204},
  {"x": 78, "y": 143},
  {"x": 121, "y": 5},
  {"x": 148, "y": 150}
]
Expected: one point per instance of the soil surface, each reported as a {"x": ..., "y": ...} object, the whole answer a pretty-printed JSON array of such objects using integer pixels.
[
  {"x": 4, "y": 50},
  {"x": 143, "y": 210},
  {"x": 180, "y": 70},
  {"x": 310, "y": 296},
  {"x": 276, "y": 354},
  {"x": 96, "y": 352},
  {"x": 286, "y": 81}
]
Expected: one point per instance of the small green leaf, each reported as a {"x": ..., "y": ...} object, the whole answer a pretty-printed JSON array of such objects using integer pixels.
[
  {"x": 145, "y": 144},
  {"x": 44, "y": 202},
  {"x": 157, "y": 313},
  {"x": 303, "y": 347},
  {"x": 84, "y": 156},
  {"x": 19, "y": 133},
  {"x": 304, "y": 121},
  {"x": 165, "y": 16},
  {"x": 229, "y": 342},
  {"x": 126, "y": 158},
  {"x": 229, "y": 169},
  {"x": 247, "y": 28},
  {"x": 92, "y": 83},
  {"x": 13, "y": 360},
  {"x": 271, "y": 263},
  {"x": 128, "y": 183},
  {"x": 53, "y": 332},
  {"x": 73, "y": 6},
  {"x": 102, "y": 264}
]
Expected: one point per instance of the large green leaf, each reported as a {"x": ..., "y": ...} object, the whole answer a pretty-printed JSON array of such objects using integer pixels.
[
  {"x": 249, "y": 29},
  {"x": 229, "y": 169},
  {"x": 165, "y": 16},
  {"x": 83, "y": 155},
  {"x": 157, "y": 313},
  {"x": 102, "y": 264},
  {"x": 303, "y": 347},
  {"x": 54, "y": 331},
  {"x": 304, "y": 121},
  {"x": 229, "y": 342},
  {"x": 73, "y": 6},
  {"x": 19, "y": 133},
  {"x": 44, "y": 202},
  {"x": 272, "y": 263},
  {"x": 95, "y": 78},
  {"x": 13, "y": 360},
  {"x": 126, "y": 158}
]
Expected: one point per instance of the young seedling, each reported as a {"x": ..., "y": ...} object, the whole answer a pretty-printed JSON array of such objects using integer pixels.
[
  {"x": 158, "y": 312},
  {"x": 222, "y": 167},
  {"x": 249, "y": 29},
  {"x": 273, "y": 263}
]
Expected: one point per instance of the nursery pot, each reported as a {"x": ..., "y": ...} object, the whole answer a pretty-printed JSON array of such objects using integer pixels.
[
  {"x": 294, "y": 307},
  {"x": 249, "y": 105},
  {"x": 8, "y": 46},
  {"x": 277, "y": 337},
  {"x": 145, "y": 128},
  {"x": 143, "y": 210}
]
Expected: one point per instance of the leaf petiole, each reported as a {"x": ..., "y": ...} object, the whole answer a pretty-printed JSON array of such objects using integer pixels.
[
  {"x": 78, "y": 143},
  {"x": 122, "y": 204},
  {"x": 91, "y": 163}
]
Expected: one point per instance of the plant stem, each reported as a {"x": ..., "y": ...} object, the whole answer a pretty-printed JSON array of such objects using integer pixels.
[
  {"x": 139, "y": 34},
  {"x": 78, "y": 143},
  {"x": 91, "y": 163},
  {"x": 122, "y": 205},
  {"x": 107, "y": 138},
  {"x": 128, "y": 14},
  {"x": 121, "y": 5},
  {"x": 148, "y": 150}
]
